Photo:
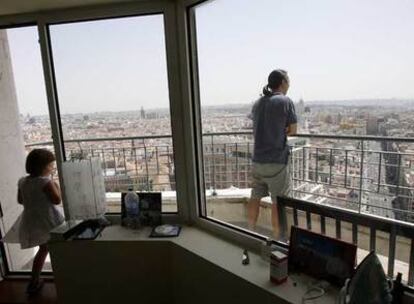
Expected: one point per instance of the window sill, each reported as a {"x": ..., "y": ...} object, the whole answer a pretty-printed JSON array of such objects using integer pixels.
[{"x": 223, "y": 254}]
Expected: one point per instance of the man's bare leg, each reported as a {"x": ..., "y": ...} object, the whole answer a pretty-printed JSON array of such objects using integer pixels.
[
  {"x": 253, "y": 208},
  {"x": 275, "y": 220}
]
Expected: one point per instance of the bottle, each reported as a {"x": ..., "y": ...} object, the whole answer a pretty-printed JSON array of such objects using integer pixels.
[
  {"x": 132, "y": 209},
  {"x": 398, "y": 290},
  {"x": 266, "y": 249},
  {"x": 278, "y": 267}
]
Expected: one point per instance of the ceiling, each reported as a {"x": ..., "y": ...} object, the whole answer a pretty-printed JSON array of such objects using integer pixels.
[{"x": 11, "y": 7}]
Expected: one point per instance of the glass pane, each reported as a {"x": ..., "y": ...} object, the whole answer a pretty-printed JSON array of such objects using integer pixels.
[
  {"x": 113, "y": 96},
  {"x": 24, "y": 125},
  {"x": 338, "y": 87}
]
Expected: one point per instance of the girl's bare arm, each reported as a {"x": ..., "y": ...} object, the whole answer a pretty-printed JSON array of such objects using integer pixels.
[
  {"x": 19, "y": 197},
  {"x": 52, "y": 190}
]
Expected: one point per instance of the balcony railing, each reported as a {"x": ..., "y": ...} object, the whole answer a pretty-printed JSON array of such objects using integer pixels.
[
  {"x": 359, "y": 222},
  {"x": 366, "y": 178},
  {"x": 364, "y": 173}
]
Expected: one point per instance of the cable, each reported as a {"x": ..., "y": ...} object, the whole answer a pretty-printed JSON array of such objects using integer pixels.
[
  {"x": 307, "y": 297},
  {"x": 319, "y": 288}
]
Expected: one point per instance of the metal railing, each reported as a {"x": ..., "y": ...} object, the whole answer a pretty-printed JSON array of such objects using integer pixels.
[
  {"x": 373, "y": 224},
  {"x": 341, "y": 177},
  {"x": 373, "y": 180},
  {"x": 363, "y": 173}
]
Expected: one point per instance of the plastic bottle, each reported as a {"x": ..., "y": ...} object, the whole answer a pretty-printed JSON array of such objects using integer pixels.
[{"x": 132, "y": 208}]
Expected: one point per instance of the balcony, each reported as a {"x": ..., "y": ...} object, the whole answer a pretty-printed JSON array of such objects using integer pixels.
[{"x": 359, "y": 189}]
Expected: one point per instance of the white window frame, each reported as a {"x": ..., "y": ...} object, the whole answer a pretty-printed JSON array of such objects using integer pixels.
[
  {"x": 186, "y": 32},
  {"x": 181, "y": 52},
  {"x": 44, "y": 19}
]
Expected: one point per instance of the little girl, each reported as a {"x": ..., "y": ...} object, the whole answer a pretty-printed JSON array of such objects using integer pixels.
[{"x": 38, "y": 194}]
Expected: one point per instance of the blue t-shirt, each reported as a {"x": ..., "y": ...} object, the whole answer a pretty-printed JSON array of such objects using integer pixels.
[{"x": 271, "y": 116}]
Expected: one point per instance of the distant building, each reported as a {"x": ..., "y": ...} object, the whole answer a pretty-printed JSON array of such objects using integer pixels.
[
  {"x": 152, "y": 115},
  {"x": 227, "y": 164},
  {"x": 404, "y": 193},
  {"x": 300, "y": 110},
  {"x": 328, "y": 119},
  {"x": 372, "y": 127},
  {"x": 338, "y": 119},
  {"x": 142, "y": 113}
]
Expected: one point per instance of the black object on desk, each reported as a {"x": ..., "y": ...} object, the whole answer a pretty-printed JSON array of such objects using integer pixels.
[
  {"x": 245, "y": 258},
  {"x": 149, "y": 208},
  {"x": 87, "y": 230},
  {"x": 165, "y": 231},
  {"x": 320, "y": 256}
]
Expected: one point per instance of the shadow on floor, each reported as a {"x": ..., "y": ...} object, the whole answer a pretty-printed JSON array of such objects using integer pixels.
[{"x": 14, "y": 291}]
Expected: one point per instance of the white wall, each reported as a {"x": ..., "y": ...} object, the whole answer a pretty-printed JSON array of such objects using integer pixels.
[{"x": 12, "y": 155}]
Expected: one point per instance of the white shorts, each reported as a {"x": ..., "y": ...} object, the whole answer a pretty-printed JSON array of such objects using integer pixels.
[{"x": 271, "y": 177}]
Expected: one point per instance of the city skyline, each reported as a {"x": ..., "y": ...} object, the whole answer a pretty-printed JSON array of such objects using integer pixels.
[
  {"x": 352, "y": 103},
  {"x": 329, "y": 54}
]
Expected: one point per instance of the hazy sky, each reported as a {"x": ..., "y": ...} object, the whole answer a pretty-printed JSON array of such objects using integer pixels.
[
  {"x": 110, "y": 65},
  {"x": 343, "y": 49}
]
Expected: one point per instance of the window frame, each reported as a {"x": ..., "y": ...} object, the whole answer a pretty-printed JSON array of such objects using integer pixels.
[
  {"x": 59, "y": 119},
  {"x": 244, "y": 237},
  {"x": 99, "y": 12},
  {"x": 94, "y": 14},
  {"x": 182, "y": 73},
  {"x": 182, "y": 70},
  {"x": 4, "y": 253}
]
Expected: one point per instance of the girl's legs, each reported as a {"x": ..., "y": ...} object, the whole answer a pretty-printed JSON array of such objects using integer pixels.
[{"x": 38, "y": 263}]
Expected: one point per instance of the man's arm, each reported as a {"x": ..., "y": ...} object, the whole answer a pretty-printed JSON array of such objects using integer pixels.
[
  {"x": 292, "y": 121},
  {"x": 292, "y": 129}
]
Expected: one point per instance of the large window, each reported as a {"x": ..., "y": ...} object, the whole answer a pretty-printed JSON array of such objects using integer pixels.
[
  {"x": 24, "y": 125},
  {"x": 346, "y": 80},
  {"x": 113, "y": 97}
]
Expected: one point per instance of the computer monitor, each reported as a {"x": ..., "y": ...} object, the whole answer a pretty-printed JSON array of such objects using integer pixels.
[{"x": 320, "y": 256}]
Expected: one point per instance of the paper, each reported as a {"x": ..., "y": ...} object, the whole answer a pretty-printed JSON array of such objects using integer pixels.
[{"x": 84, "y": 188}]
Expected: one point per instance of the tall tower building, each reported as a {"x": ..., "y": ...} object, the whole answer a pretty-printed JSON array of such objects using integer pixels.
[
  {"x": 142, "y": 113},
  {"x": 372, "y": 125},
  {"x": 300, "y": 110}
]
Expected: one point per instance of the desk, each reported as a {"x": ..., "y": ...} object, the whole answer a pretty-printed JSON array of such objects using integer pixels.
[{"x": 195, "y": 267}]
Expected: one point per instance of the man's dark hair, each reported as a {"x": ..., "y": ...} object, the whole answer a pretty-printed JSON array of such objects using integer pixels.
[
  {"x": 274, "y": 81},
  {"x": 37, "y": 160}
]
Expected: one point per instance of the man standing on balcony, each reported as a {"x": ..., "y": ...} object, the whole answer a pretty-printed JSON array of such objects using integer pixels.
[{"x": 274, "y": 119}]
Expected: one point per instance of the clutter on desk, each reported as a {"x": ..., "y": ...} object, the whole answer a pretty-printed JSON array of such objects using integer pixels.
[
  {"x": 278, "y": 267},
  {"x": 266, "y": 249},
  {"x": 86, "y": 230},
  {"x": 245, "y": 257},
  {"x": 320, "y": 256},
  {"x": 166, "y": 231},
  {"x": 85, "y": 196},
  {"x": 140, "y": 209},
  {"x": 330, "y": 260},
  {"x": 368, "y": 282}
]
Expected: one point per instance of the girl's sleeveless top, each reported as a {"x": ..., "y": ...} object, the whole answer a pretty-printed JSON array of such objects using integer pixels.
[{"x": 40, "y": 215}]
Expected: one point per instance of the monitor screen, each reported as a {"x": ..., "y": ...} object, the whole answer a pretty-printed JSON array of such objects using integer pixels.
[{"x": 320, "y": 256}]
